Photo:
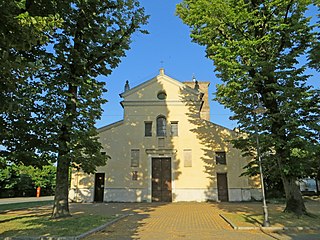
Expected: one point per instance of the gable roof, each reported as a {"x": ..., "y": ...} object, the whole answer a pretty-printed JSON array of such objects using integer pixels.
[
  {"x": 109, "y": 126},
  {"x": 161, "y": 77}
]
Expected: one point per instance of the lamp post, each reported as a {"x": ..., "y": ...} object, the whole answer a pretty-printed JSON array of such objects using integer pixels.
[{"x": 260, "y": 110}]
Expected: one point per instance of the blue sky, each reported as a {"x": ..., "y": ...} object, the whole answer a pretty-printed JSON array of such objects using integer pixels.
[{"x": 169, "y": 46}]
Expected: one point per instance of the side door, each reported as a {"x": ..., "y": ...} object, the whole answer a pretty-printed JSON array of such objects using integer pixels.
[
  {"x": 99, "y": 187},
  {"x": 222, "y": 182}
]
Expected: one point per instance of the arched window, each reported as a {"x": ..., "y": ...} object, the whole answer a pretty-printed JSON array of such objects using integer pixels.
[{"x": 161, "y": 126}]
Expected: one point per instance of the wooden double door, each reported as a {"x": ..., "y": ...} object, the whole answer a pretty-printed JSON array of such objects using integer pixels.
[{"x": 161, "y": 180}]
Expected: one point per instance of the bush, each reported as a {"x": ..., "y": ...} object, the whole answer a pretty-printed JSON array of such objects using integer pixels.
[{"x": 22, "y": 181}]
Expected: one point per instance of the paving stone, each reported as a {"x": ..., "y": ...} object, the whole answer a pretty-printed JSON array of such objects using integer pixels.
[{"x": 177, "y": 221}]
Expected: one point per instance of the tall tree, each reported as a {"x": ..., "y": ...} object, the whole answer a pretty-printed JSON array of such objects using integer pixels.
[
  {"x": 93, "y": 37},
  {"x": 315, "y": 47},
  {"x": 54, "y": 97},
  {"x": 314, "y": 63},
  {"x": 257, "y": 47},
  {"x": 25, "y": 27}
]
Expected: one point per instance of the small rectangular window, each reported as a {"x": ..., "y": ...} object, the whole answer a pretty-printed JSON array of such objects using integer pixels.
[
  {"x": 135, "y": 155},
  {"x": 174, "y": 128},
  {"x": 187, "y": 157},
  {"x": 134, "y": 175},
  {"x": 148, "y": 129},
  {"x": 221, "y": 158},
  {"x": 103, "y": 153}
]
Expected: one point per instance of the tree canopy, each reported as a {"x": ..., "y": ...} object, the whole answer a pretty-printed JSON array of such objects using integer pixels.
[
  {"x": 53, "y": 95},
  {"x": 25, "y": 28},
  {"x": 21, "y": 180},
  {"x": 258, "y": 49}
]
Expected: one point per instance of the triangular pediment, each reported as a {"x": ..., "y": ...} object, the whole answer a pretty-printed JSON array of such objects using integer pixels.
[{"x": 148, "y": 90}]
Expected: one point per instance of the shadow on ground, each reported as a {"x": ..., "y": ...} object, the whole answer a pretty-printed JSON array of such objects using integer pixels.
[
  {"x": 126, "y": 228},
  {"x": 306, "y": 227},
  {"x": 141, "y": 218}
]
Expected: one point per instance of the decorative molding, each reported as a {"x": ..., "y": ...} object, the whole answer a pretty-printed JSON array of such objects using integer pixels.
[
  {"x": 166, "y": 151},
  {"x": 157, "y": 103}
]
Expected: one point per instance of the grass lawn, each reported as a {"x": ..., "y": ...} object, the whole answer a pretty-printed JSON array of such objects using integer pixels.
[
  {"x": 13, "y": 206},
  {"x": 276, "y": 220},
  {"x": 37, "y": 222},
  {"x": 250, "y": 215}
]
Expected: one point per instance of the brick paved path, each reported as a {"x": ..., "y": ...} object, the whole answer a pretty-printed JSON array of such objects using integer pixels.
[{"x": 177, "y": 221}]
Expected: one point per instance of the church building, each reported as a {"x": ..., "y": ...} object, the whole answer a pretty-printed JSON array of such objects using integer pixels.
[{"x": 166, "y": 149}]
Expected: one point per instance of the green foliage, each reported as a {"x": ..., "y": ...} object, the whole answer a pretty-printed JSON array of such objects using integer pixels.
[
  {"x": 25, "y": 27},
  {"x": 315, "y": 50},
  {"x": 258, "y": 49},
  {"x": 93, "y": 38},
  {"x": 21, "y": 180},
  {"x": 41, "y": 177},
  {"x": 51, "y": 54},
  {"x": 51, "y": 94}
]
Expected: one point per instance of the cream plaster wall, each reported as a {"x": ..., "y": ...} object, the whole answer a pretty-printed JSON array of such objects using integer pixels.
[{"x": 196, "y": 183}]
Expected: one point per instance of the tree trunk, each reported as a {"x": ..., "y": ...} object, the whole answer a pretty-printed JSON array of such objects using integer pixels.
[
  {"x": 318, "y": 180},
  {"x": 294, "y": 200},
  {"x": 61, "y": 205}
]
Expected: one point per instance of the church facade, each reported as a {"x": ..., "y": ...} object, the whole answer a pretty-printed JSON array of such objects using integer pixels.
[{"x": 166, "y": 150}]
